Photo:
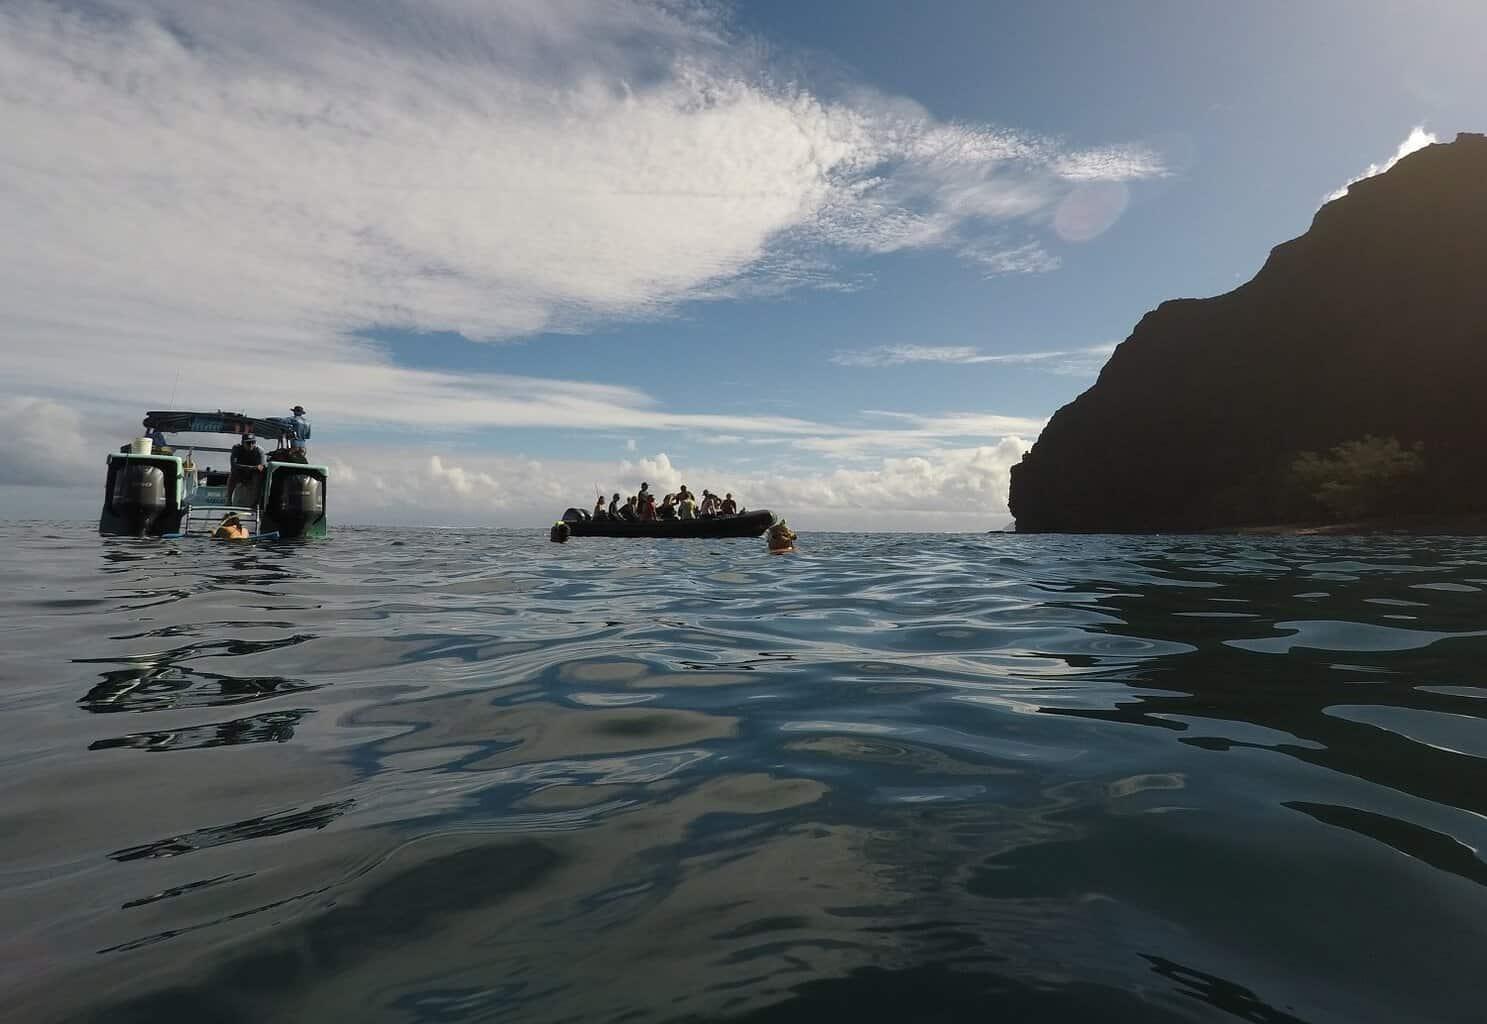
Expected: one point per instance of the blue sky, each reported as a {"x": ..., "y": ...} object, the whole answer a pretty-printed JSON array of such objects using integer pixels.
[{"x": 843, "y": 258}]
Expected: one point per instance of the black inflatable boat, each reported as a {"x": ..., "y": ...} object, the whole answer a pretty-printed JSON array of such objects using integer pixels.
[{"x": 745, "y": 524}]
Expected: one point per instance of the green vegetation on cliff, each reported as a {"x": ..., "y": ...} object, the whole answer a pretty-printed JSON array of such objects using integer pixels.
[{"x": 1376, "y": 476}]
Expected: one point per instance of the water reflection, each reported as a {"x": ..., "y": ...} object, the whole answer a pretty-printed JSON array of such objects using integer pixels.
[
  {"x": 483, "y": 777},
  {"x": 156, "y": 687},
  {"x": 272, "y": 727}
]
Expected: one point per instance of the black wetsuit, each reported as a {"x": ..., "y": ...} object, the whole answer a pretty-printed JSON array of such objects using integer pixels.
[{"x": 246, "y": 461}]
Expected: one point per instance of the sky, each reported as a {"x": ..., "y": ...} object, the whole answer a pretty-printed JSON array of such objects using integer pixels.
[{"x": 842, "y": 259}]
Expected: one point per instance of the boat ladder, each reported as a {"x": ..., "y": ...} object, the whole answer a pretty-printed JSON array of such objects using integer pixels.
[{"x": 204, "y": 518}]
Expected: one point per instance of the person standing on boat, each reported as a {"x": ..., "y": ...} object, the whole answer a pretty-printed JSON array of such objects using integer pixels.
[
  {"x": 300, "y": 425},
  {"x": 730, "y": 507},
  {"x": 614, "y": 506},
  {"x": 247, "y": 468},
  {"x": 687, "y": 509}
]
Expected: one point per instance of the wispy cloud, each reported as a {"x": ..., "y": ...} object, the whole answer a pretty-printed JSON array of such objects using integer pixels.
[
  {"x": 997, "y": 259},
  {"x": 1417, "y": 139},
  {"x": 190, "y": 186},
  {"x": 1077, "y": 361},
  {"x": 281, "y": 176},
  {"x": 897, "y": 355},
  {"x": 1112, "y": 163},
  {"x": 913, "y": 432}
]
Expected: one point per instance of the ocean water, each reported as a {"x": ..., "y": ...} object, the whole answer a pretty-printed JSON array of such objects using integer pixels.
[{"x": 472, "y": 776}]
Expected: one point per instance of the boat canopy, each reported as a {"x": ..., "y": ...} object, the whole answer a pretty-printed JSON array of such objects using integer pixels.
[{"x": 218, "y": 422}]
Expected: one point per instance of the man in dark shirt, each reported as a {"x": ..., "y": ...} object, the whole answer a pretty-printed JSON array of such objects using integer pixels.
[{"x": 247, "y": 469}]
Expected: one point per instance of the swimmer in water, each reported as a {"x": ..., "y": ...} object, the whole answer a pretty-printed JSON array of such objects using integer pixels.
[
  {"x": 781, "y": 538},
  {"x": 230, "y": 528}
]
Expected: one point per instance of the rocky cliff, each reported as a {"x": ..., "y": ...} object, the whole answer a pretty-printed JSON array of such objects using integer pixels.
[{"x": 1373, "y": 322}]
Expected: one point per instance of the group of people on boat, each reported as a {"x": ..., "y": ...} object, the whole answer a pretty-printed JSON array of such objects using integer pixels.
[{"x": 681, "y": 504}]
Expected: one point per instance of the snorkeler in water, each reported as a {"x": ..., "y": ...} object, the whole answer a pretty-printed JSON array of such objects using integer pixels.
[
  {"x": 781, "y": 538},
  {"x": 230, "y": 528}
]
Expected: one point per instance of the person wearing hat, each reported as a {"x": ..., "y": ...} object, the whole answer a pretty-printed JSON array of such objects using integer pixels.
[
  {"x": 230, "y": 528},
  {"x": 247, "y": 467},
  {"x": 300, "y": 426}
]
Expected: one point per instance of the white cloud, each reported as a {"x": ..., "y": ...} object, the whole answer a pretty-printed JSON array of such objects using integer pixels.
[
  {"x": 897, "y": 355},
  {"x": 917, "y": 433},
  {"x": 996, "y": 260},
  {"x": 1078, "y": 361},
  {"x": 215, "y": 192},
  {"x": 179, "y": 178},
  {"x": 55, "y": 447},
  {"x": 1114, "y": 163},
  {"x": 1418, "y": 138},
  {"x": 43, "y": 444},
  {"x": 948, "y": 489}
]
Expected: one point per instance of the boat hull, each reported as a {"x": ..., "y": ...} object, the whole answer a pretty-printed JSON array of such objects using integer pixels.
[{"x": 748, "y": 524}]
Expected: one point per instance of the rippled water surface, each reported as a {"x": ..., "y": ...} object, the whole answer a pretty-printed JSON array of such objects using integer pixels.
[{"x": 456, "y": 776}]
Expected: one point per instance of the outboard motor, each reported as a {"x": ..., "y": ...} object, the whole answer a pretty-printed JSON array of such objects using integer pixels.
[
  {"x": 140, "y": 497},
  {"x": 296, "y": 501},
  {"x": 560, "y": 532}
]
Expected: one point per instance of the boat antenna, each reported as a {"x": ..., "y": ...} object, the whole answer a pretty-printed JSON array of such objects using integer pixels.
[{"x": 173, "y": 387}]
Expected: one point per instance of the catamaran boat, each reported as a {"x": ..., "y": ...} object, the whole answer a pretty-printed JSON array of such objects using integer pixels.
[{"x": 161, "y": 491}]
